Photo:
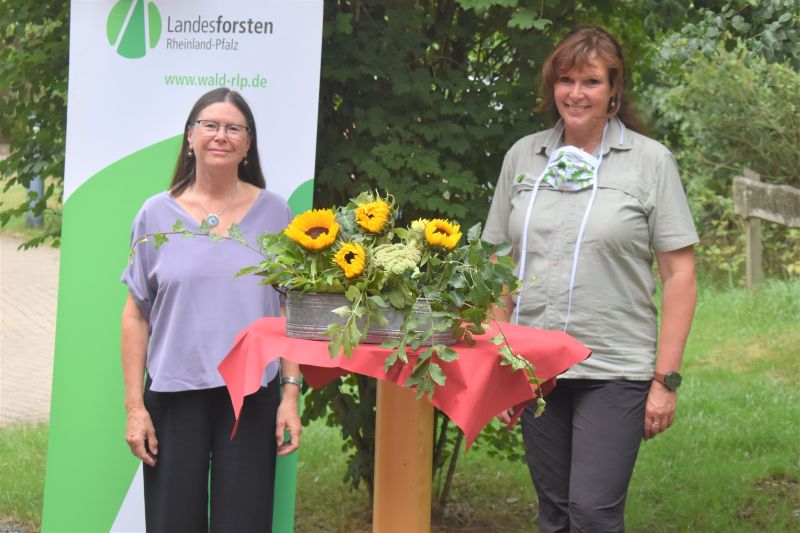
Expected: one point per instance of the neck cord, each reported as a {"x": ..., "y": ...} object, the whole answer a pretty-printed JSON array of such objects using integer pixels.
[
  {"x": 581, "y": 230},
  {"x": 213, "y": 219}
]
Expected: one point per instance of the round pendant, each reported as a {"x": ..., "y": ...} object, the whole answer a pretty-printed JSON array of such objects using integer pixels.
[{"x": 212, "y": 220}]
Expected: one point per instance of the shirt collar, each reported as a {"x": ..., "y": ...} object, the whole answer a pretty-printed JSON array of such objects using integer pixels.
[{"x": 617, "y": 137}]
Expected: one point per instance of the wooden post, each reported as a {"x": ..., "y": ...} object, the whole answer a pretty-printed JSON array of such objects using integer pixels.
[
  {"x": 755, "y": 272},
  {"x": 758, "y": 201},
  {"x": 403, "y": 461}
]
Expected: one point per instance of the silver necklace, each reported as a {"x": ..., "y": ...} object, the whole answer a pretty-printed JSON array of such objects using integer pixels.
[{"x": 212, "y": 219}]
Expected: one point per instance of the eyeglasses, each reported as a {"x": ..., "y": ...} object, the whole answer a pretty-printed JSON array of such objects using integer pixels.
[{"x": 211, "y": 127}]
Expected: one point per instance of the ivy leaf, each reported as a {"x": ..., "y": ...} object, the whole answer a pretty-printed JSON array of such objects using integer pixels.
[
  {"x": 235, "y": 233},
  {"x": 178, "y": 227},
  {"x": 160, "y": 238}
]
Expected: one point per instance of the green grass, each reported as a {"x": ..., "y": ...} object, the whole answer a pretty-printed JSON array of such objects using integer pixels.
[
  {"x": 732, "y": 460},
  {"x": 730, "y": 463},
  {"x": 22, "y": 460}
]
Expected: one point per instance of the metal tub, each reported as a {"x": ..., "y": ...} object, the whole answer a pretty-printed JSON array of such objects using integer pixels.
[{"x": 308, "y": 315}]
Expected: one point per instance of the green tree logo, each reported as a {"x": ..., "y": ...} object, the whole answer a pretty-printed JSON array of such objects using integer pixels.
[{"x": 131, "y": 29}]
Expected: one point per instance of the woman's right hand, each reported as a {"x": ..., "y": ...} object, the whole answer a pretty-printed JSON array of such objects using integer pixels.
[
  {"x": 505, "y": 417},
  {"x": 141, "y": 436}
]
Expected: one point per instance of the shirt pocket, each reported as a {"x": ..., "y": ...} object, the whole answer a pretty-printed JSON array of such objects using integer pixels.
[
  {"x": 629, "y": 184},
  {"x": 619, "y": 219},
  {"x": 523, "y": 181}
]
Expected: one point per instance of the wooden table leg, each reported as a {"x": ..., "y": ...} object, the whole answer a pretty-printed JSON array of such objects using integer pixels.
[{"x": 403, "y": 461}]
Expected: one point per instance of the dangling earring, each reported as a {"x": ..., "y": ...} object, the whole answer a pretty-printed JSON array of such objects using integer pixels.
[{"x": 190, "y": 153}]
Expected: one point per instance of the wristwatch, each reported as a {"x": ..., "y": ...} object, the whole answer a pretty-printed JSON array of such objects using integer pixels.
[{"x": 671, "y": 380}]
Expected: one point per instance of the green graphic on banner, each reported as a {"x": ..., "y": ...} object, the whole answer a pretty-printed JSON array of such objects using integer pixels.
[
  {"x": 126, "y": 28},
  {"x": 302, "y": 199},
  {"x": 88, "y": 393}
]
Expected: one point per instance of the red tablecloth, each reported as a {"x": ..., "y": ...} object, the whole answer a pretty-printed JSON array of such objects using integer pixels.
[{"x": 477, "y": 387}]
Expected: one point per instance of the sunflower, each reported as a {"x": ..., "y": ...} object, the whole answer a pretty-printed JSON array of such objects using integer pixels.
[
  {"x": 351, "y": 258},
  {"x": 442, "y": 234},
  {"x": 315, "y": 229},
  {"x": 372, "y": 216}
]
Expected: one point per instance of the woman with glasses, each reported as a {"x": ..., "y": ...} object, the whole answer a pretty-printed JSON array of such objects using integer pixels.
[
  {"x": 184, "y": 308},
  {"x": 588, "y": 206}
]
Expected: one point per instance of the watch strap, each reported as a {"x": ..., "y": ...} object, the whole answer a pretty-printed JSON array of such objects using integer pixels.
[
  {"x": 670, "y": 380},
  {"x": 292, "y": 380}
]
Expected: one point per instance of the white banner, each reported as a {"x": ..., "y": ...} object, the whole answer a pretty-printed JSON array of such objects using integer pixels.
[
  {"x": 121, "y": 101},
  {"x": 136, "y": 68}
]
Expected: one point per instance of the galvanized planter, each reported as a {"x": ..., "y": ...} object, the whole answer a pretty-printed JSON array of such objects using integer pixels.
[{"x": 308, "y": 315}]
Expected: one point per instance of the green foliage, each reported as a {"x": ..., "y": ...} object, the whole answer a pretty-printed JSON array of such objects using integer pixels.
[
  {"x": 160, "y": 238},
  {"x": 394, "y": 269},
  {"x": 424, "y": 98},
  {"x": 349, "y": 404},
  {"x": 33, "y": 94},
  {"x": 768, "y": 29},
  {"x": 728, "y": 112},
  {"x": 739, "y": 401}
]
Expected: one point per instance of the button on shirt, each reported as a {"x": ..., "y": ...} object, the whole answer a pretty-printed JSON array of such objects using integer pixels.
[{"x": 640, "y": 209}]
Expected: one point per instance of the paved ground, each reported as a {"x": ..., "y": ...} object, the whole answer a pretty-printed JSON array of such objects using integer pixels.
[{"x": 28, "y": 294}]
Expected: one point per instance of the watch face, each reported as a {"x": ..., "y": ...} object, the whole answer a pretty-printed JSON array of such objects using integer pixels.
[{"x": 672, "y": 380}]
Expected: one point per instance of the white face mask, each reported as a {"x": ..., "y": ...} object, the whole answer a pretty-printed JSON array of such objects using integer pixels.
[{"x": 571, "y": 169}]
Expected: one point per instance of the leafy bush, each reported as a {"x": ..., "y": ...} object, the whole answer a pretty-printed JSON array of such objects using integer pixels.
[
  {"x": 33, "y": 102},
  {"x": 727, "y": 112}
]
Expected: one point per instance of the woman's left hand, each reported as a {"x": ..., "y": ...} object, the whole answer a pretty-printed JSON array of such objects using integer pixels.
[
  {"x": 660, "y": 410},
  {"x": 288, "y": 420}
]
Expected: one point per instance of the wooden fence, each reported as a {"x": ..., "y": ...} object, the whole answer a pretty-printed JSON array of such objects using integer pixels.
[{"x": 758, "y": 201}]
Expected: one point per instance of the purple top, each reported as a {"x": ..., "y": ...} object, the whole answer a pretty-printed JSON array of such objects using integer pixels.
[{"x": 188, "y": 292}]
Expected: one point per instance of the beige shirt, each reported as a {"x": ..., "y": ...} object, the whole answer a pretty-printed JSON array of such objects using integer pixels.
[{"x": 640, "y": 209}]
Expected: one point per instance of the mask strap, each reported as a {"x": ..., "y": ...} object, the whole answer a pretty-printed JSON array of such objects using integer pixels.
[
  {"x": 526, "y": 224},
  {"x": 582, "y": 228}
]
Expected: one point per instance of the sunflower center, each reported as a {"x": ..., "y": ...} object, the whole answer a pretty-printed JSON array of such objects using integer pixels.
[
  {"x": 316, "y": 232},
  {"x": 442, "y": 231},
  {"x": 349, "y": 256}
]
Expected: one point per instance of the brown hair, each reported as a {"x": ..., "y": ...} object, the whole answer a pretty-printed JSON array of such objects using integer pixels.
[
  {"x": 578, "y": 49},
  {"x": 184, "y": 174}
]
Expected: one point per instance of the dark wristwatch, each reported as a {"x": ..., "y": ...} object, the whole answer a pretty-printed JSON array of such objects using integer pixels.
[{"x": 671, "y": 380}]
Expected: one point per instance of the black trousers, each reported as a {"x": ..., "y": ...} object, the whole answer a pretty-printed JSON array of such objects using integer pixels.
[
  {"x": 581, "y": 453},
  {"x": 197, "y": 459}
]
